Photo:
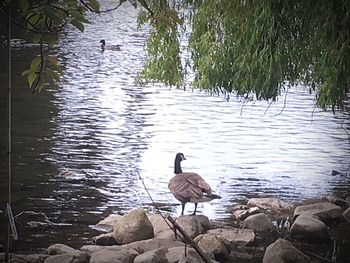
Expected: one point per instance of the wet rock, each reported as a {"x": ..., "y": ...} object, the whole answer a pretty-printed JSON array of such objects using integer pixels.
[
  {"x": 62, "y": 258},
  {"x": 325, "y": 211},
  {"x": 234, "y": 236},
  {"x": 113, "y": 255},
  {"x": 110, "y": 220},
  {"x": 242, "y": 214},
  {"x": 89, "y": 249},
  {"x": 337, "y": 201},
  {"x": 151, "y": 244},
  {"x": 191, "y": 225},
  {"x": 36, "y": 258},
  {"x": 269, "y": 203},
  {"x": 14, "y": 258},
  {"x": 282, "y": 251},
  {"x": 260, "y": 223},
  {"x": 105, "y": 240},
  {"x": 213, "y": 244},
  {"x": 161, "y": 228},
  {"x": 153, "y": 256},
  {"x": 346, "y": 214},
  {"x": 203, "y": 221},
  {"x": 58, "y": 249},
  {"x": 132, "y": 227},
  {"x": 310, "y": 229}
]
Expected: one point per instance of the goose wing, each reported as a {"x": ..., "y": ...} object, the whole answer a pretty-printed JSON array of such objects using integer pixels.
[{"x": 188, "y": 186}]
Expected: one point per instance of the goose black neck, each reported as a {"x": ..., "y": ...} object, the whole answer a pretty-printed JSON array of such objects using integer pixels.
[{"x": 178, "y": 169}]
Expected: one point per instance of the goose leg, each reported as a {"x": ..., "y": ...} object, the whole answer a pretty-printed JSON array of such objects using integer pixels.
[
  {"x": 183, "y": 208},
  {"x": 195, "y": 208}
]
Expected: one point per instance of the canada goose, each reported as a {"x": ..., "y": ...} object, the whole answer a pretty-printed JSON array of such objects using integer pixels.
[
  {"x": 103, "y": 46},
  {"x": 189, "y": 187}
]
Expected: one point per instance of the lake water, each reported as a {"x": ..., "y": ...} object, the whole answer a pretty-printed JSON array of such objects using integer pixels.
[{"x": 102, "y": 130}]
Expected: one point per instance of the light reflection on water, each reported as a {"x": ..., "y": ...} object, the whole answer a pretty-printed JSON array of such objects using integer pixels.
[{"x": 105, "y": 128}]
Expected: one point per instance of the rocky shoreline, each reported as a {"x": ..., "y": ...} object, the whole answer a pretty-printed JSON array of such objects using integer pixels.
[{"x": 264, "y": 230}]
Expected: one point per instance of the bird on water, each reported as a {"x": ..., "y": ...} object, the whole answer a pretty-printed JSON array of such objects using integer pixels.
[
  {"x": 189, "y": 187},
  {"x": 104, "y": 47}
]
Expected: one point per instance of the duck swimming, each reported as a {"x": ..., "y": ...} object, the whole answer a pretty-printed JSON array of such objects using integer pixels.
[
  {"x": 189, "y": 187},
  {"x": 104, "y": 47}
]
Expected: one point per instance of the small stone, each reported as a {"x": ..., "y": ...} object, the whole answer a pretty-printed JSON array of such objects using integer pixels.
[{"x": 105, "y": 240}]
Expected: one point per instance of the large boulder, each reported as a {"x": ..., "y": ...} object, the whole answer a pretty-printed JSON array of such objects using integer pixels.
[
  {"x": 151, "y": 244},
  {"x": 62, "y": 258},
  {"x": 325, "y": 211},
  {"x": 213, "y": 244},
  {"x": 153, "y": 256},
  {"x": 244, "y": 212},
  {"x": 234, "y": 236},
  {"x": 191, "y": 225},
  {"x": 346, "y": 214},
  {"x": 58, "y": 249},
  {"x": 260, "y": 223},
  {"x": 270, "y": 203},
  {"x": 161, "y": 227},
  {"x": 309, "y": 228},
  {"x": 282, "y": 251},
  {"x": 117, "y": 255},
  {"x": 132, "y": 227}
]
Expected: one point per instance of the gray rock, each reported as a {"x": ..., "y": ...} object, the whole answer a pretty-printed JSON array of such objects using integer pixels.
[
  {"x": 213, "y": 244},
  {"x": 109, "y": 221},
  {"x": 337, "y": 201},
  {"x": 153, "y": 256},
  {"x": 89, "y": 249},
  {"x": 309, "y": 228},
  {"x": 191, "y": 225},
  {"x": 105, "y": 239},
  {"x": 14, "y": 258},
  {"x": 61, "y": 258},
  {"x": 177, "y": 254},
  {"x": 36, "y": 258},
  {"x": 269, "y": 203},
  {"x": 234, "y": 236},
  {"x": 282, "y": 251},
  {"x": 325, "y": 211},
  {"x": 346, "y": 214},
  {"x": 132, "y": 227},
  {"x": 58, "y": 249},
  {"x": 242, "y": 214},
  {"x": 160, "y": 226},
  {"x": 113, "y": 256},
  {"x": 151, "y": 244},
  {"x": 260, "y": 223}
]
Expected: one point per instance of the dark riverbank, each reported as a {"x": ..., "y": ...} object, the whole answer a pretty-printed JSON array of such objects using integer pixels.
[{"x": 317, "y": 231}]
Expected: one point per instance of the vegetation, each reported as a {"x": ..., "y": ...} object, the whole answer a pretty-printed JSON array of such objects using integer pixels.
[{"x": 255, "y": 49}]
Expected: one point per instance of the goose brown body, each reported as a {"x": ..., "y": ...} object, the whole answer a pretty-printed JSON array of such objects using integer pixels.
[{"x": 189, "y": 187}]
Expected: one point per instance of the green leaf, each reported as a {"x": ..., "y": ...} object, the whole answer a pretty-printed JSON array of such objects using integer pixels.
[
  {"x": 25, "y": 72},
  {"x": 78, "y": 25},
  {"x": 31, "y": 77},
  {"x": 23, "y": 5},
  {"x": 35, "y": 63},
  {"x": 94, "y": 5}
]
